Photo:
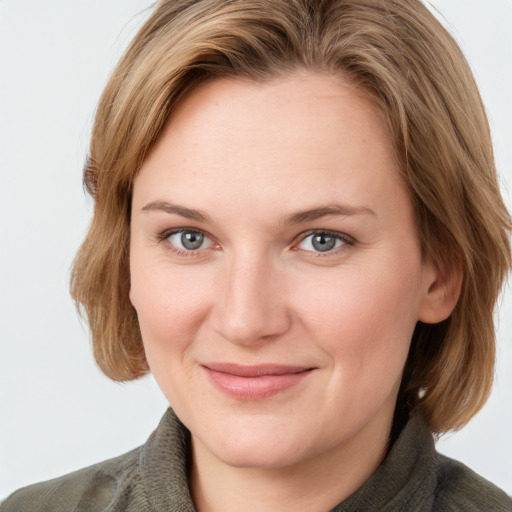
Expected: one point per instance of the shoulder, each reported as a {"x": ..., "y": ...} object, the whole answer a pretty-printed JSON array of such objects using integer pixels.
[
  {"x": 151, "y": 476},
  {"x": 461, "y": 489},
  {"x": 97, "y": 487}
]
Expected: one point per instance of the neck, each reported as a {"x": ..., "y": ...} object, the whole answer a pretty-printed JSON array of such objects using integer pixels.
[{"x": 319, "y": 483}]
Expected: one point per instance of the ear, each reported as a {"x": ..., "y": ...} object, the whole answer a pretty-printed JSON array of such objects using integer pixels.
[
  {"x": 130, "y": 296},
  {"x": 441, "y": 291}
]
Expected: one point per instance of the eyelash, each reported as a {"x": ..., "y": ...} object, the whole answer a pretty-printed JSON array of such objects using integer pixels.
[{"x": 347, "y": 240}]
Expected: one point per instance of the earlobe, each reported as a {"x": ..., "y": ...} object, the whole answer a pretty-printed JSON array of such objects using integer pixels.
[
  {"x": 442, "y": 289},
  {"x": 130, "y": 296}
]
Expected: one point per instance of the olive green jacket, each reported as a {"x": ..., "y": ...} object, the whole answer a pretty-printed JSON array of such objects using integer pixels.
[{"x": 153, "y": 478}]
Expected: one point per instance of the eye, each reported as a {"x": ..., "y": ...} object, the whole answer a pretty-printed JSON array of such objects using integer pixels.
[
  {"x": 324, "y": 241},
  {"x": 188, "y": 240}
]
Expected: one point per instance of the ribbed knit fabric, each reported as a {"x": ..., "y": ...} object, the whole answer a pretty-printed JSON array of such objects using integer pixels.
[{"x": 153, "y": 478}]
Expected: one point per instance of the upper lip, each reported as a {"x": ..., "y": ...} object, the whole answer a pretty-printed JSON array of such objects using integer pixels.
[{"x": 258, "y": 370}]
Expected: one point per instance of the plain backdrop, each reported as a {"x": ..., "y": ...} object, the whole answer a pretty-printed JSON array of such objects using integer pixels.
[{"x": 57, "y": 411}]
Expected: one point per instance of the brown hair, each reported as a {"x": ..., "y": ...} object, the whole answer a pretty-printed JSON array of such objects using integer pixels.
[{"x": 407, "y": 63}]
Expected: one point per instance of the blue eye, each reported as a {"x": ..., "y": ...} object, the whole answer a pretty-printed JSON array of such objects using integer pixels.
[
  {"x": 323, "y": 241},
  {"x": 189, "y": 240}
]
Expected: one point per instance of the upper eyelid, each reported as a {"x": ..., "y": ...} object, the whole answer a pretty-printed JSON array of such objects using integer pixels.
[
  {"x": 337, "y": 234},
  {"x": 166, "y": 233}
]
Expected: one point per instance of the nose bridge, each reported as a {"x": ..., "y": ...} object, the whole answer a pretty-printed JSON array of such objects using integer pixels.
[{"x": 251, "y": 307}]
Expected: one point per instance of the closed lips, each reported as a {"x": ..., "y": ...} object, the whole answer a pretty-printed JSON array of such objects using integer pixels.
[
  {"x": 254, "y": 382},
  {"x": 255, "y": 370}
]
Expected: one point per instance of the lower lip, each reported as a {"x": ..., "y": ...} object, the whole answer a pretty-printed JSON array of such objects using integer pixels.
[{"x": 254, "y": 388}]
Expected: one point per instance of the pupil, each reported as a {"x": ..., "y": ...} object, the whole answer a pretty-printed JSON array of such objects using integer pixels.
[
  {"x": 324, "y": 243},
  {"x": 191, "y": 240}
]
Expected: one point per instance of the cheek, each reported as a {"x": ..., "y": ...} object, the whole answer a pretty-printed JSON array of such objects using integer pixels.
[
  {"x": 170, "y": 305},
  {"x": 364, "y": 318}
]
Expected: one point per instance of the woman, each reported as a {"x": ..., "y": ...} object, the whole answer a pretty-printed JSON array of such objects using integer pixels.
[{"x": 299, "y": 232}]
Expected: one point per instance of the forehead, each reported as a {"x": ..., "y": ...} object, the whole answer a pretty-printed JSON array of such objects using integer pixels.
[
  {"x": 298, "y": 106},
  {"x": 296, "y": 139}
]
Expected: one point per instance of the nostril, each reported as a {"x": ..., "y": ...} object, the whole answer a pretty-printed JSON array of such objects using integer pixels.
[{"x": 248, "y": 327}]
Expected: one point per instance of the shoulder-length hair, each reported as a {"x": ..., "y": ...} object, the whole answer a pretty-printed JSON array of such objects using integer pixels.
[{"x": 411, "y": 68}]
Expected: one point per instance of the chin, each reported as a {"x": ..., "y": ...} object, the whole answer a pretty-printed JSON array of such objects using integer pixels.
[
  {"x": 251, "y": 456},
  {"x": 255, "y": 446}
]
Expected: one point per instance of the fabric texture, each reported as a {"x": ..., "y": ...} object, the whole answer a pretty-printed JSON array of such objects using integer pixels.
[{"x": 153, "y": 478}]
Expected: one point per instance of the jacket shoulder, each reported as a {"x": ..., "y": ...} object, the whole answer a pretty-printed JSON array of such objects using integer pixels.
[
  {"x": 94, "y": 488},
  {"x": 461, "y": 489}
]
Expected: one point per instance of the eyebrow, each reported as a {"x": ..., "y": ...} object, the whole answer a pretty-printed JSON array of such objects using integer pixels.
[
  {"x": 167, "y": 207},
  {"x": 323, "y": 211},
  {"x": 296, "y": 218}
]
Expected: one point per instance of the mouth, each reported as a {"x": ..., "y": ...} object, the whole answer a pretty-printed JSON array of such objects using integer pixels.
[{"x": 254, "y": 382}]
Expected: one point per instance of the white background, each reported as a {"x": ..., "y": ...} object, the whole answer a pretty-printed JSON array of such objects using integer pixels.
[{"x": 57, "y": 412}]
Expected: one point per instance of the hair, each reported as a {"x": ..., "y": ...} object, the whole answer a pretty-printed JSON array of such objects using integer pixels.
[{"x": 401, "y": 57}]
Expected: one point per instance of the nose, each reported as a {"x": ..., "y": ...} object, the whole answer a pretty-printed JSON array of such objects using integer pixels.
[{"x": 251, "y": 306}]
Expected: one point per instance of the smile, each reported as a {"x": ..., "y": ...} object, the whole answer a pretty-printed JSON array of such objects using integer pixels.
[{"x": 254, "y": 382}]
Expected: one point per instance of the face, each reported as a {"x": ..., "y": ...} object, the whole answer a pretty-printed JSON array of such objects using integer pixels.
[{"x": 276, "y": 271}]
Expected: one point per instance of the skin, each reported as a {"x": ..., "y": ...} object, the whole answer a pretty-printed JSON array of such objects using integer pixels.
[{"x": 249, "y": 157}]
